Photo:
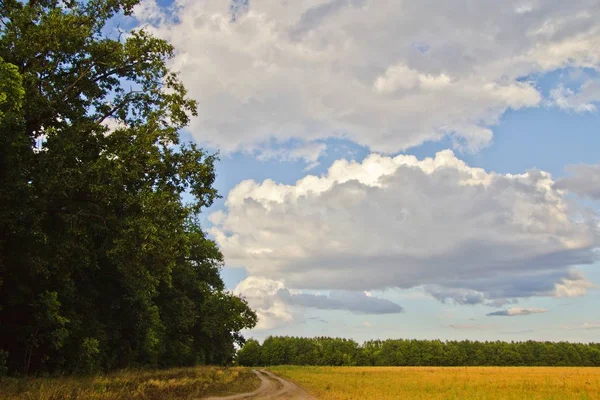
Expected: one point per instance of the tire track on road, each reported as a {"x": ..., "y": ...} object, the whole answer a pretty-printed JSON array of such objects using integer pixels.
[{"x": 272, "y": 387}]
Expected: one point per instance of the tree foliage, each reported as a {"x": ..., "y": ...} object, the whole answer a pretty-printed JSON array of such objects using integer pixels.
[
  {"x": 344, "y": 352},
  {"x": 102, "y": 264}
]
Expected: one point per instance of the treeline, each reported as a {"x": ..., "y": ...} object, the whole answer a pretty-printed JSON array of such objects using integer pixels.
[
  {"x": 345, "y": 352},
  {"x": 102, "y": 264}
]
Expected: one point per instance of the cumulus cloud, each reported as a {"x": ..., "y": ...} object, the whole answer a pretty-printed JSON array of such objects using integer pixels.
[
  {"x": 460, "y": 232},
  {"x": 261, "y": 295},
  {"x": 574, "y": 285},
  {"x": 276, "y": 305},
  {"x": 583, "y": 180},
  {"x": 386, "y": 75},
  {"x": 581, "y": 101},
  {"x": 516, "y": 311}
]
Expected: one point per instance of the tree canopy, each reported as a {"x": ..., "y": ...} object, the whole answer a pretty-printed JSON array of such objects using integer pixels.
[
  {"x": 102, "y": 263},
  {"x": 283, "y": 350}
]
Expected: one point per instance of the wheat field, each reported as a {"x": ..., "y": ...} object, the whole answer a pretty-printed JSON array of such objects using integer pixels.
[{"x": 431, "y": 383}]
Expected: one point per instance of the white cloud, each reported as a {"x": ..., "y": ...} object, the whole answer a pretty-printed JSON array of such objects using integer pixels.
[
  {"x": 308, "y": 152},
  {"x": 583, "y": 180},
  {"x": 261, "y": 293},
  {"x": 462, "y": 232},
  {"x": 400, "y": 77},
  {"x": 524, "y": 8},
  {"x": 388, "y": 75},
  {"x": 574, "y": 285},
  {"x": 113, "y": 124},
  {"x": 581, "y": 101},
  {"x": 517, "y": 311}
]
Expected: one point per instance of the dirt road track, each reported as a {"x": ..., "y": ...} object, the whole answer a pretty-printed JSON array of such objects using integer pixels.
[{"x": 271, "y": 387}]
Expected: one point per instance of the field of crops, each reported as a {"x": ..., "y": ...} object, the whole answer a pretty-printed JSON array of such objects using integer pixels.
[
  {"x": 514, "y": 383},
  {"x": 170, "y": 384}
]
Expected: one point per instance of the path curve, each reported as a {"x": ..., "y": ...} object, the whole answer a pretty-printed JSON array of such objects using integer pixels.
[{"x": 271, "y": 387}]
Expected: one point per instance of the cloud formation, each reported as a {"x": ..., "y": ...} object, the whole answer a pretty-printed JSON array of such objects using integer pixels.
[
  {"x": 583, "y": 180},
  {"x": 292, "y": 151},
  {"x": 575, "y": 284},
  {"x": 387, "y": 75},
  {"x": 276, "y": 305},
  {"x": 457, "y": 295},
  {"x": 580, "y": 101},
  {"x": 357, "y": 302},
  {"x": 517, "y": 311},
  {"x": 261, "y": 295},
  {"x": 462, "y": 233}
]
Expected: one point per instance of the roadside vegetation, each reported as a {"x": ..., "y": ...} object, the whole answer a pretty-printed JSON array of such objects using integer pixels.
[
  {"x": 432, "y": 383},
  {"x": 278, "y": 350},
  {"x": 168, "y": 384}
]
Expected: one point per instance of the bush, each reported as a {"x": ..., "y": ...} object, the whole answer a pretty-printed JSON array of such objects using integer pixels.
[{"x": 88, "y": 356}]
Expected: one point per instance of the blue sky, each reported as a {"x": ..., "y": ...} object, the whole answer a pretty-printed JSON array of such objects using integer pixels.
[
  {"x": 524, "y": 140},
  {"x": 330, "y": 226}
]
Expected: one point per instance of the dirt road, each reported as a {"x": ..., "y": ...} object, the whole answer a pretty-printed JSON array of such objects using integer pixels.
[{"x": 271, "y": 387}]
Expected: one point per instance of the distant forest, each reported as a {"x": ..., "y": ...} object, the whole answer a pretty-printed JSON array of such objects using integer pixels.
[{"x": 344, "y": 352}]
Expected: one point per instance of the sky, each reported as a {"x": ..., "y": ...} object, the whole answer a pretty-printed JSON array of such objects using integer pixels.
[{"x": 400, "y": 169}]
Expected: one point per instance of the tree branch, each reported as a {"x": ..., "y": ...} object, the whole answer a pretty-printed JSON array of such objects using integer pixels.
[
  {"x": 71, "y": 86},
  {"x": 116, "y": 108}
]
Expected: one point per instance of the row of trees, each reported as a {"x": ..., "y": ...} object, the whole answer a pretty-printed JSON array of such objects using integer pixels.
[
  {"x": 345, "y": 352},
  {"x": 102, "y": 265}
]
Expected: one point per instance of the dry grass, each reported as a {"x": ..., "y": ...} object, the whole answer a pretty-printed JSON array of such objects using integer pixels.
[
  {"x": 337, "y": 383},
  {"x": 178, "y": 383}
]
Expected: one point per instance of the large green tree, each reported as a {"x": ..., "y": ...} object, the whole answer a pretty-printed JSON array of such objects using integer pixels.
[{"x": 102, "y": 264}]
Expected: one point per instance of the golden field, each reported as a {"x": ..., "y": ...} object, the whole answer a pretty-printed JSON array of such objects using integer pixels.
[
  {"x": 514, "y": 383},
  {"x": 170, "y": 384}
]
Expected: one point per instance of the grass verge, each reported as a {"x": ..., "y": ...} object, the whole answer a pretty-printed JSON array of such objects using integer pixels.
[{"x": 169, "y": 384}]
